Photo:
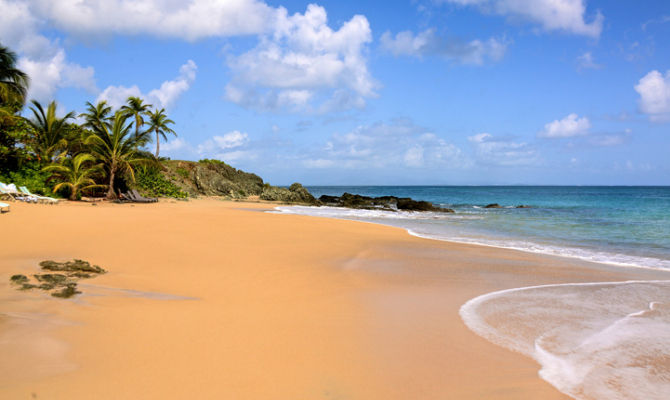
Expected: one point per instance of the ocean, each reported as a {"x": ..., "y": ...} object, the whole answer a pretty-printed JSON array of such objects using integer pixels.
[
  {"x": 627, "y": 226},
  {"x": 601, "y": 340}
]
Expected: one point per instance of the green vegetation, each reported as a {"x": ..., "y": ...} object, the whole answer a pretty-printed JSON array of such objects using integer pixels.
[
  {"x": 154, "y": 184},
  {"x": 13, "y": 83},
  {"x": 158, "y": 123},
  {"x": 76, "y": 174},
  {"x": 53, "y": 155}
]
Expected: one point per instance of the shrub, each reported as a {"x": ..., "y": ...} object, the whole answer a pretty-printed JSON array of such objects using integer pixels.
[
  {"x": 153, "y": 183},
  {"x": 30, "y": 177},
  {"x": 183, "y": 172}
]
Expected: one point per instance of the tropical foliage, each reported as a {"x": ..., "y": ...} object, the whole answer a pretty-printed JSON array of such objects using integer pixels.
[
  {"x": 117, "y": 149},
  {"x": 158, "y": 123},
  {"x": 50, "y": 152},
  {"x": 75, "y": 174},
  {"x": 48, "y": 131},
  {"x": 13, "y": 83}
]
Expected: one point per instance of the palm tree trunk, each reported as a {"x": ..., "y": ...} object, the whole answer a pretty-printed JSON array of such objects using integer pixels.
[
  {"x": 158, "y": 144},
  {"x": 111, "y": 194}
]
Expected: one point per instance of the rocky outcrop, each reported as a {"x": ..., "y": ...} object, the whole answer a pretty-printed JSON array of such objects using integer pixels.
[
  {"x": 493, "y": 205},
  {"x": 296, "y": 193},
  {"x": 212, "y": 178},
  {"x": 216, "y": 178},
  {"x": 387, "y": 203}
]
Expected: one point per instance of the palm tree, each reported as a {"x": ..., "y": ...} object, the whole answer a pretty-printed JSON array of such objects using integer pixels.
[
  {"x": 117, "y": 149},
  {"x": 137, "y": 109},
  {"x": 158, "y": 123},
  {"x": 96, "y": 115},
  {"x": 49, "y": 130},
  {"x": 13, "y": 82},
  {"x": 75, "y": 173}
]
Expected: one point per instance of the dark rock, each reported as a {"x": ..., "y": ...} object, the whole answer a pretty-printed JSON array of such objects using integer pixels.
[
  {"x": 19, "y": 279},
  {"x": 67, "y": 292},
  {"x": 296, "y": 193},
  {"x": 64, "y": 285},
  {"x": 75, "y": 267},
  {"x": 493, "y": 205},
  {"x": 52, "y": 279},
  {"x": 386, "y": 203},
  {"x": 523, "y": 206}
]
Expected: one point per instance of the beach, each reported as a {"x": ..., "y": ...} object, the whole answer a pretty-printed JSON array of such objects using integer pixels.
[{"x": 213, "y": 299}]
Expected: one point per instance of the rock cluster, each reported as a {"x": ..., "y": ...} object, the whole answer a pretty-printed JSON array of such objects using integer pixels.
[
  {"x": 296, "y": 193},
  {"x": 386, "y": 203},
  {"x": 63, "y": 284}
]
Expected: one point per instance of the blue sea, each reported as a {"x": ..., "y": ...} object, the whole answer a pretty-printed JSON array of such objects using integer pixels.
[{"x": 617, "y": 225}]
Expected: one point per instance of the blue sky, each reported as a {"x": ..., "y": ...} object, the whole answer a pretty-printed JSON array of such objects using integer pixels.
[{"x": 368, "y": 92}]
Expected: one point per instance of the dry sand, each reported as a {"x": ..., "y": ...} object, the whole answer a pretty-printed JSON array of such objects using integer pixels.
[{"x": 215, "y": 300}]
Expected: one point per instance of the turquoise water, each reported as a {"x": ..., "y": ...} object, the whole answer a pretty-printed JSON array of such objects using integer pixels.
[{"x": 619, "y": 225}]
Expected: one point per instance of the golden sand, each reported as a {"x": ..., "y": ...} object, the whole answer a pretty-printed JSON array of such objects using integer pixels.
[{"x": 216, "y": 300}]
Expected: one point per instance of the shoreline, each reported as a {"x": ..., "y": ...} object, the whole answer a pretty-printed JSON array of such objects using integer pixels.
[
  {"x": 545, "y": 252},
  {"x": 285, "y": 307}
]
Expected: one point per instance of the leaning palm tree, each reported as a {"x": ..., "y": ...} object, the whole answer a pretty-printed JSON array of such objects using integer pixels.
[
  {"x": 97, "y": 114},
  {"x": 158, "y": 123},
  {"x": 137, "y": 108},
  {"x": 117, "y": 149},
  {"x": 75, "y": 173},
  {"x": 13, "y": 82},
  {"x": 49, "y": 130}
]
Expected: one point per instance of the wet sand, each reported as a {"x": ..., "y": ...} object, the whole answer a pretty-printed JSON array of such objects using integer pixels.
[{"x": 208, "y": 299}]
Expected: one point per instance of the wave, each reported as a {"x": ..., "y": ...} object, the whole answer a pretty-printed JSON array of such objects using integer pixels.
[
  {"x": 593, "y": 340},
  {"x": 415, "y": 224}
]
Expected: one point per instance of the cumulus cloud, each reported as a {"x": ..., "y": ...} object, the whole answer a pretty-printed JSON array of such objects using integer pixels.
[
  {"x": 303, "y": 62},
  {"x": 553, "y": 15},
  {"x": 490, "y": 150},
  {"x": 163, "y": 97},
  {"x": 300, "y": 63},
  {"x": 428, "y": 43},
  {"x": 231, "y": 146},
  {"x": 387, "y": 145},
  {"x": 569, "y": 126},
  {"x": 44, "y": 60},
  {"x": 654, "y": 91},
  {"x": 183, "y": 19}
]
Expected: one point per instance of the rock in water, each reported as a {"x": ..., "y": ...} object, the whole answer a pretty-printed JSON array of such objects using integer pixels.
[
  {"x": 386, "y": 203},
  {"x": 493, "y": 205}
]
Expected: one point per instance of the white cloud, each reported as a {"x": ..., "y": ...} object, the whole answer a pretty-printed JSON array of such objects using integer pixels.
[
  {"x": 586, "y": 61},
  {"x": 552, "y": 15},
  {"x": 427, "y": 43},
  {"x": 382, "y": 145},
  {"x": 221, "y": 147},
  {"x": 184, "y": 19},
  {"x": 174, "y": 145},
  {"x": 304, "y": 62},
  {"x": 569, "y": 126},
  {"x": 163, "y": 97},
  {"x": 501, "y": 152},
  {"x": 300, "y": 63},
  {"x": 42, "y": 59},
  {"x": 654, "y": 91}
]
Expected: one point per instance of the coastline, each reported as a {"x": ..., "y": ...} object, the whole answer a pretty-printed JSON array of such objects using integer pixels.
[{"x": 277, "y": 306}]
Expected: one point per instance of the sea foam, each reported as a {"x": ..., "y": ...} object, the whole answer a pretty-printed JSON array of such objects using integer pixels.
[
  {"x": 593, "y": 340},
  {"x": 452, "y": 227}
]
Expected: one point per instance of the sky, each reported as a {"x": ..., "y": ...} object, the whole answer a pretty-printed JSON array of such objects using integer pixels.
[{"x": 414, "y": 92}]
